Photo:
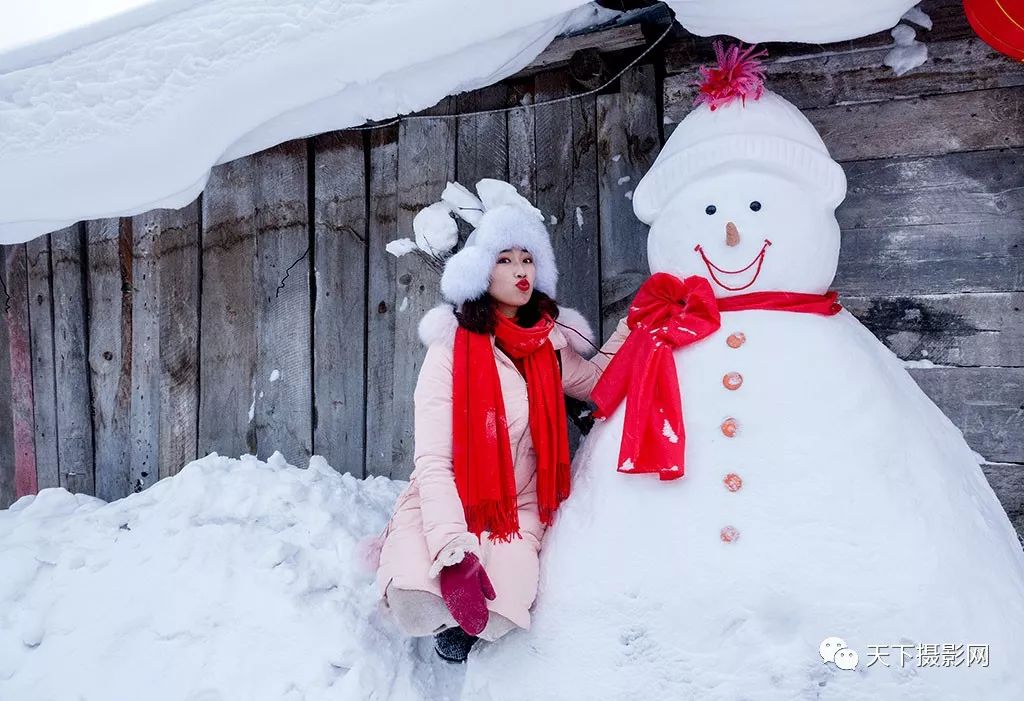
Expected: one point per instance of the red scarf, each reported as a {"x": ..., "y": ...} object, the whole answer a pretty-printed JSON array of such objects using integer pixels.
[
  {"x": 481, "y": 452},
  {"x": 668, "y": 313}
]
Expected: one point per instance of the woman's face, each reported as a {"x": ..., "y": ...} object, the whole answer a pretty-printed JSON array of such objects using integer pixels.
[{"x": 512, "y": 279}]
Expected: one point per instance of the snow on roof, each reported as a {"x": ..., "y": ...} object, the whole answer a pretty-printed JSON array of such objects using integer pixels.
[{"x": 119, "y": 125}]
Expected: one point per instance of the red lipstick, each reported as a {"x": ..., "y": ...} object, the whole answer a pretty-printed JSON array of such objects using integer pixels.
[{"x": 523, "y": 284}]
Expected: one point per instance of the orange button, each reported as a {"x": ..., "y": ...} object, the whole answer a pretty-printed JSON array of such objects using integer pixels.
[
  {"x": 730, "y": 426},
  {"x": 732, "y": 380},
  {"x": 733, "y": 482},
  {"x": 736, "y": 340},
  {"x": 729, "y": 534}
]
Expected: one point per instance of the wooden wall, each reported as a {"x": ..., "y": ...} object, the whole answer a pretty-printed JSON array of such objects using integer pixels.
[{"x": 268, "y": 316}]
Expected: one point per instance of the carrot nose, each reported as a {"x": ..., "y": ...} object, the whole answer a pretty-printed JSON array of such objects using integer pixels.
[{"x": 732, "y": 235}]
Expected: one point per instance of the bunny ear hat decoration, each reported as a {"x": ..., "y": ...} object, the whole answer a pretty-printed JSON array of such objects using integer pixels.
[{"x": 502, "y": 218}]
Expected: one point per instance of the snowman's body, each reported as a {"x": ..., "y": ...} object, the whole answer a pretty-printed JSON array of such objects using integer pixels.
[
  {"x": 861, "y": 514},
  {"x": 851, "y": 505}
]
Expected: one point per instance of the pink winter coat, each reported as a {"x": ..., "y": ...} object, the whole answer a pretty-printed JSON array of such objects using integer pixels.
[{"x": 428, "y": 528}]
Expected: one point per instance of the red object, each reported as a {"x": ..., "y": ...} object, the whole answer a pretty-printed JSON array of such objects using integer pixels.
[
  {"x": 732, "y": 380},
  {"x": 670, "y": 313},
  {"x": 738, "y": 75},
  {"x": 1000, "y": 24},
  {"x": 730, "y": 427},
  {"x": 729, "y": 534},
  {"x": 523, "y": 284},
  {"x": 481, "y": 452},
  {"x": 736, "y": 340},
  {"x": 464, "y": 588},
  {"x": 733, "y": 482}
]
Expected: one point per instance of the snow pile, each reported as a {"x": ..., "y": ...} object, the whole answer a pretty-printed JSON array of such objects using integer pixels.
[
  {"x": 235, "y": 579},
  {"x": 811, "y": 21},
  {"x": 135, "y": 120}
]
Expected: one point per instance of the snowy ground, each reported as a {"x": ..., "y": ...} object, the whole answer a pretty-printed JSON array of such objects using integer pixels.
[{"x": 233, "y": 580}]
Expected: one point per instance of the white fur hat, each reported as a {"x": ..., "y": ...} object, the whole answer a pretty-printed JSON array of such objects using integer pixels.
[{"x": 509, "y": 222}]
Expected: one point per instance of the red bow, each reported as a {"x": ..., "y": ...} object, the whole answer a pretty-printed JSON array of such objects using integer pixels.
[{"x": 668, "y": 313}]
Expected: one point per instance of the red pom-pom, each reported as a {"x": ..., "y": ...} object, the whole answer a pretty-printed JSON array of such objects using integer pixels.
[{"x": 738, "y": 74}]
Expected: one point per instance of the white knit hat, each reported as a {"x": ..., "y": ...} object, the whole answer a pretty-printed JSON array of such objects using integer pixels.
[
  {"x": 507, "y": 221},
  {"x": 762, "y": 129}
]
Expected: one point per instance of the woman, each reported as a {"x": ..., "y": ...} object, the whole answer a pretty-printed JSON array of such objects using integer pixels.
[{"x": 460, "y": 556}]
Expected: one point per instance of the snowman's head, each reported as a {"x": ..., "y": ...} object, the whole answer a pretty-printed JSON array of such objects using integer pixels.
[
  {"x": 744, "y": 195},
  {"x": 747, "y": 229}
]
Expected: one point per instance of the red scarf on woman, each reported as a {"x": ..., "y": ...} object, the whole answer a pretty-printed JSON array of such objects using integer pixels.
[
  {"x": 669, "y": 313},
  {"x": 481, "y": 452}
]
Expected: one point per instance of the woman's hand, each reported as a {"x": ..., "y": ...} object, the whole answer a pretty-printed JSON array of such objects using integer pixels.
[{"x": 464, "y": 588}]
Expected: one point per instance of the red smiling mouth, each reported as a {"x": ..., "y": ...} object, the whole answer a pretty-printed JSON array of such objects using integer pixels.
[{"x": 713, "y": 269}]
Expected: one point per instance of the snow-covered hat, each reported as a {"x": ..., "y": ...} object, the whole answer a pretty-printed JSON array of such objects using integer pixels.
[
  {"x": 503, "y": 219},
  {"x": 738, "y": 120}
]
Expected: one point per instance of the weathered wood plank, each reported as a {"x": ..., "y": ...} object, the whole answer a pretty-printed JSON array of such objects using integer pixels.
[
  {"x": 44, "y": 392},
  {"x": 74, "y": 423},
  {"x": 20, "y": 359},
  {"x": 628, "y": 140},
  {"x": 283, "y": 380},
  {"x": 227, "y": 351},
  {"x": 522, "y": 156},
  {"x": 980, "y": 329},
  {"x": 339, "y": 311},
  {"x": 933, "y": 258},
  {"x": 7, "y": 450},
  {"x": 955, "y": 188},
  {"x": 987, "y": 404},
  {"x": 177, "y": 250},
  {"x": 382, "y": 227},
  {"x": 165, "y": 333},
  {"x": 559, "y": 51},
  {"x": 1007, "y": 481},
  {"x": 110, "y": 352},
  {"x": 426, "y": 161},
  {"x": 922, "y": 126},
  {"x": 566, "y": 149},
  {"x": 821, "y": 80},
  {"x": 482, "y": 150}
]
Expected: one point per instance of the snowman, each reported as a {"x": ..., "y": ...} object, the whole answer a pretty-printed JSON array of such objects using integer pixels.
[{"x": 771, "y": 508}]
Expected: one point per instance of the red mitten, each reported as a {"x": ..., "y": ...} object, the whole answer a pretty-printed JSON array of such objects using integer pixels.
[{"x": 464, "y": 586}]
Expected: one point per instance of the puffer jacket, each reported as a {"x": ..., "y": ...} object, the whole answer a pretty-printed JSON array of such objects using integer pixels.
[{"x": 428, "y": 528}]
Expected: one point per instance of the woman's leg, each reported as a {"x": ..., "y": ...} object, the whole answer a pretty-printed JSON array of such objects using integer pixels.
[{"x": 497, "y": 626}]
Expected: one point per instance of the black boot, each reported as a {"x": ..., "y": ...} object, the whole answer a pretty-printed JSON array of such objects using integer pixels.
[{"x": 453, "y": 644}]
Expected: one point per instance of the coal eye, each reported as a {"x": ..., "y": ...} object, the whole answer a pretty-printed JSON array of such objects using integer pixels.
[
  {"x": 755, "y": 205},
  {"x": 710, "y": 209}
]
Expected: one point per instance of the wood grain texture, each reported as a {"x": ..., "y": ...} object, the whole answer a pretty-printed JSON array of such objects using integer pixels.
[
  {"x": 482, "y": 149},
  {"x": 44, "y": 392},
  {"x": 20, "y": 367},
  {"x": 283, "y": 380},
  {"x": 70, "y": 339},
  {"x": 110, "y": 352},
  {"x": 382, "y": 271},
  {"x": 177, "y": 270},
  {"x": 7, "y": 449},
  {"x": 987, "y": 404},
  {"x": 566, "y": 153},
  {"x": 815, "y": 79},
  {"x": 522, "y": 155},
  {"x": 627, "y": 143},
  {"x": 1007, "y": 481},
  {"x": 227, "y": 354},
  {"x": 971, "y": 330},
  {"x": 426, "y": 162},
  {"x": 339, "y": 306}
]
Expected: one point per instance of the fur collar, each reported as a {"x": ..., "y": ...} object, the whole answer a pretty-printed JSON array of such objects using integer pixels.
[{"x": 439, "y": 324}]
